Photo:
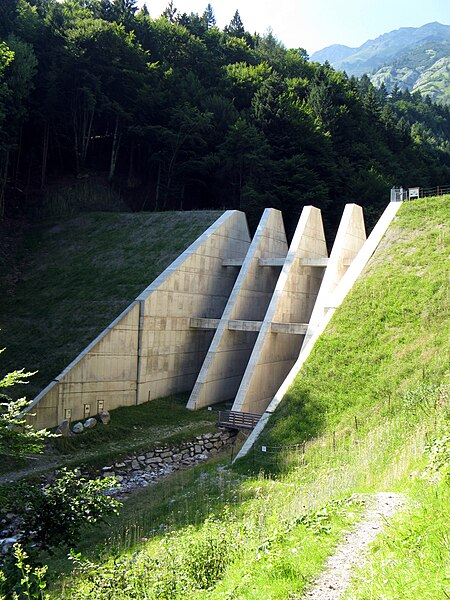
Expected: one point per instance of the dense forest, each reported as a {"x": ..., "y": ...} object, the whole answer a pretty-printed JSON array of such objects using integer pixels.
[{"x": 177, "y": 114}]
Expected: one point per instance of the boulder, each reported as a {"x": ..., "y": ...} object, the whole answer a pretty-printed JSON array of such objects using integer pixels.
[
  {"x": 90, "y": 423},
  {"x": 78, "y": 428},
  {"x": 64, "y": 428},
  {"x": 104, "y": 417}
]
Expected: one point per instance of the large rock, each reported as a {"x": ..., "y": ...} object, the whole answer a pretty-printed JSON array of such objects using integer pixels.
[
  {"x": 64, "y": 428},
  {"x": 104, "y": 417},
  {"x": 90, "y": 423},
  {"x": 78, "y": 428}
]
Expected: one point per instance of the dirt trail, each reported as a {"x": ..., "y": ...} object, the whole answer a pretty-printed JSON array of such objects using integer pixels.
[{"x": 350, "y": 553}]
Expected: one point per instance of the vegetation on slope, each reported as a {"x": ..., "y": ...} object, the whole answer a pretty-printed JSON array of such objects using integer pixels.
[
  {"x": 391, "y": 332},
  {"x": 73, "y": 276},
  {"x": 177, "y": 114},
  {"x": 217, "y": 532},
  {"x": 424, "y": 69}
]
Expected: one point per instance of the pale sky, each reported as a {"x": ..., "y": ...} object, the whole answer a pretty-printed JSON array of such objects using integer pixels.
[{"x": 315, "y": 24}]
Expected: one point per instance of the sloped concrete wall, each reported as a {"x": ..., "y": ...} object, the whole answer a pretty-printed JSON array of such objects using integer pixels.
[
  {"x": 230, "y": 350},
  {"x": 196, "y": 285},
  {"x": 150, "y": 342},
  {"x": 292, "y": 302},
  {"x": 105, "y": 372},
  {"x": 349, "y": 240},
  {"x": 337, "y": 297}
]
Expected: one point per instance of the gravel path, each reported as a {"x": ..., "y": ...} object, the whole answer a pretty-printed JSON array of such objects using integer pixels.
[{"x": 350, "y": 553}]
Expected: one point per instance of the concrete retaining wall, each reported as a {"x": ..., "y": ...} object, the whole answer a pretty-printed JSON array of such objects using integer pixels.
[
  {"x": 292, "y": 302},
  {"x": 150, "y": 351}
]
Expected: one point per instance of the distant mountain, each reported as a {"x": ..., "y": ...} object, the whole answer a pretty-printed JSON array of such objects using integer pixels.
[
  {"x": 333, "y": 54},
  {"x": 414, "y": 58}
]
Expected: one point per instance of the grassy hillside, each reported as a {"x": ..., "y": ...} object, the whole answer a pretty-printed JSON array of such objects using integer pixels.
[
  {"x": 70, "y": 279},
  {"x": 391, "y": 333},
  {"x": 264, "y": 529},
  {"x": 372, "y": 404}
]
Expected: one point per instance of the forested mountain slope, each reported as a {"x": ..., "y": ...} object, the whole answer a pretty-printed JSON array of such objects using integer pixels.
[
  {"x": 408, "y": 58},
  {"x": 177, "y": 114}
]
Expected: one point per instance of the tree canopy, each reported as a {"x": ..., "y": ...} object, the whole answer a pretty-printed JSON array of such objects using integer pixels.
[{"x": 176, "y": 111}]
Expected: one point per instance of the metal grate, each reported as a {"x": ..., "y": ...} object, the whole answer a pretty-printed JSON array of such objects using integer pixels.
[{"x": 237, "y": 420}]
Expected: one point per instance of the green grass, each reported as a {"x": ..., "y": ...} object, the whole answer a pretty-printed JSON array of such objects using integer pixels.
[
  {"x": 370, "y": 401},
  {"x": 391, "y": 332},
  {"x": 74, "y": 276},
  {"x": 165, "y": 421}
]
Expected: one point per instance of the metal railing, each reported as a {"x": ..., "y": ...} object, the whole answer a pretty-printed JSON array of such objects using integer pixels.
[{"x": 404, "y": 194}]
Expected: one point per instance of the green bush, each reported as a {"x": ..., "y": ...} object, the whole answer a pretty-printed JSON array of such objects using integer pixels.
[
  {"x": 54, "y": 514},
  {"x": 17, "y": 438}
]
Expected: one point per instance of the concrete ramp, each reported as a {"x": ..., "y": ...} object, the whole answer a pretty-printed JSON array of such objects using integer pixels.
[
  {"x": 228, "y": 355},
  {"x": 292, "y": 302}
]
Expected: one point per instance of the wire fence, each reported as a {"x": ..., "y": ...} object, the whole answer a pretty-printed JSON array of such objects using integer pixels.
[{"x": 404, "y": 194}]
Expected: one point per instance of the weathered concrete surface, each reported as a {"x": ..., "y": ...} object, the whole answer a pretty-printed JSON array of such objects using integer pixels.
[
  {"x": 105, "y": 372},
  {"x": 292, "y": 303},
  {"x": 196, "y": 285},
  {"x": 338, "y": 296},
  {"x": 227, "y": 357},
  {"x": 150, "y": 350},
  {"x": 349, "y": 240}
]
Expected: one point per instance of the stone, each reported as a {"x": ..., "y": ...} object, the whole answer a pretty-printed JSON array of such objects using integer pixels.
[
  {"x": 141, "y": 458},
  {"x": 197, "y": 449},
  {"x": 157, "y": 459},
  {"x": 104, "y": 417},
  {"x": 119, "y": 465},
  {"x": 149, "y": 454},
  {"x": 6, "y": 543},
  {"x": 64, "y": 428},
  {"x": 78, "y": 428},
  {"x": 165, "y": 454},
  {"x": 208, "y": 445},
  {"x": 135, "y": 465},
  {"x": 90, "y": 423}
]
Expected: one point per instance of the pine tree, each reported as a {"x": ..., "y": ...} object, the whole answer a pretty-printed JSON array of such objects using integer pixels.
[
  {"x": 208, "y": 17},
  {"x": 236, "y": 27}
]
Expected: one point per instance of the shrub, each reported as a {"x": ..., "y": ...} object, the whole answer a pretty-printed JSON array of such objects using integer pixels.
[
  {"x": 17, "y": 438},
  {"x": 55, "y": 513}
]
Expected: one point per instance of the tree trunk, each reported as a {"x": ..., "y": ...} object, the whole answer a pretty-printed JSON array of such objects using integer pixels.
[
  {"x": 3, "y": 179},
  {"x": 158, "y": 188},
  {"x": 114, "y": 150},
  {"x": 44, "y": 153}
]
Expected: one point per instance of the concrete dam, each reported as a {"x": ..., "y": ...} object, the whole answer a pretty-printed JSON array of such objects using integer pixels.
[{"x": 232, "y": 318}]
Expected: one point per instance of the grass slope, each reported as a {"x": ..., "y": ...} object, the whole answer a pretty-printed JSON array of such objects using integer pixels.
[
  {"x": 74, "y": 276},
  {"x": 391, "y": 332},
  {"x": 216, "y": 532}
]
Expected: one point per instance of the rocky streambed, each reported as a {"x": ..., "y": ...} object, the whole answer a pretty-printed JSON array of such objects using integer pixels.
[{"x": 134, "y": 472}]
